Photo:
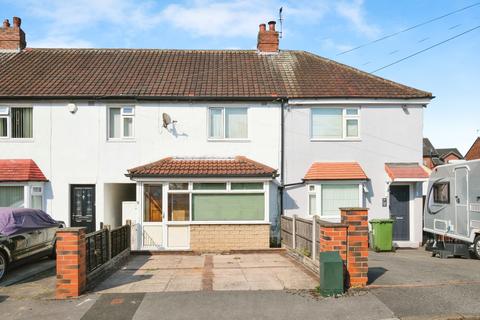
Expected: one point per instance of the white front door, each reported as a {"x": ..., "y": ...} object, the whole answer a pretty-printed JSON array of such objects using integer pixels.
[{"x": 153, "y": 217}]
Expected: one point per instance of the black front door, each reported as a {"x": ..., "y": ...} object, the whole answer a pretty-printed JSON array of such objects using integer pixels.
[
  {"x": 83, "y": 206},
  {"x": 400, "y": 212}
]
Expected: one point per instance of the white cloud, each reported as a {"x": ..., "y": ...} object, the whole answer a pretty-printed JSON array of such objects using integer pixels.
[
  {"x": 69, "y": 21},
  {"x": 330, "y": 44},
  {"x": 354, "y": 12},
  {"x": 218, "y": 19}
]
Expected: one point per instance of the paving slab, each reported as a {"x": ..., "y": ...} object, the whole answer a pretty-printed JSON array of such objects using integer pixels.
[{"x": 233, "y": 272}]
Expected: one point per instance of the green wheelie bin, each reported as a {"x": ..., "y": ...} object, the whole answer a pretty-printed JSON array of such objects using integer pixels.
[{"x": 382, "y": 232}]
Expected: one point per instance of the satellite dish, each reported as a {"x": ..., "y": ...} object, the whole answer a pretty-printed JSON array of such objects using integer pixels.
[{"x": 167, "y": 120}]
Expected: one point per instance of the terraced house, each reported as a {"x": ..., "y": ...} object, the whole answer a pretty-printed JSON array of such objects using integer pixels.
[{"x": 204, "y": 149}]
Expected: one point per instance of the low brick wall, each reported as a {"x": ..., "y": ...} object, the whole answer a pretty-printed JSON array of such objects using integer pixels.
[{"x": 225, "y": 237}]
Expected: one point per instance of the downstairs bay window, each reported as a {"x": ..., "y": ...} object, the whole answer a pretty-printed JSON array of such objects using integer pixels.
[
  {"x": 197, "y": 202},
  {"x": 21, "y": 196},
  {"x": 326, "y": 199}
]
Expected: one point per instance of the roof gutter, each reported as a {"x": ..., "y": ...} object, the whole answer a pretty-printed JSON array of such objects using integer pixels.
[{"x": 145, "y": 98}]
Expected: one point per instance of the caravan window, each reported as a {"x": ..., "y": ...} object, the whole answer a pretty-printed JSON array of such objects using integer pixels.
[{"x": 441, "y": 192}]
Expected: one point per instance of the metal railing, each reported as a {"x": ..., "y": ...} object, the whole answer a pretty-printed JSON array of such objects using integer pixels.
[
  {"x": 97, "y": 249},
  {"x": 120, "y": 240},
  {"x": 105, "y": 244}
]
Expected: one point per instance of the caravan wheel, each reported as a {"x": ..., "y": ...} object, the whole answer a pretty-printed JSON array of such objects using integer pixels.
[{"x": 476, "y": 247}]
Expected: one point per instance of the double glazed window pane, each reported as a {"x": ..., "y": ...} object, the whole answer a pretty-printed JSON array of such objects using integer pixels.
[
  {"x": 178, "y": 206},
  {"x": 216, "y": 123},
  {"x": 352, "y": 128},
  {"x": 209, "y": 186},
  {"x": 115, "y": 123},
  {"x": 235, "y": 123},
  {"x": 229, "y": 123},
  {"x": 3, "y": 127},
  {"x": 11, "y": 197},
  {"x": 228, "y": 207},
  {"x": 22, "y": 126},
  {"x": 327, "y": 123},
  {"x": 128, "y": 127},
  {"x": 153, "y": 203},
  {"x": 338, "y": 196},
  {"x": 312, "y": 198}
]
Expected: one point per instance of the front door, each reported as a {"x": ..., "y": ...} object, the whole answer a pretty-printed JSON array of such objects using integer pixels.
[
  {"x": 461, "y": 201},
  {"x": 82, "y": 208},
  {"x": 153, "y": 225},
  {"x": 400, "y": 212}
]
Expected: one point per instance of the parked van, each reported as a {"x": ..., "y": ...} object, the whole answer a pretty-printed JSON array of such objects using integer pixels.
[{"x": 452, "y": 204}]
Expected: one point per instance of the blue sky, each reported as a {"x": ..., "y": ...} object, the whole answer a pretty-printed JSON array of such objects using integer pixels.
[{"x": 326, "y": 27}]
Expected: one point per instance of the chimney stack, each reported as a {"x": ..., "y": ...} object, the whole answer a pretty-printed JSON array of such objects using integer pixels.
[
  {"x": 12, "y": 38},
  {"x": 267, "y": 41}
]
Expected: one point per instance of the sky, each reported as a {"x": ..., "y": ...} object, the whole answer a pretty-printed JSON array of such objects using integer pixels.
[{"x": 325, "y": 27}]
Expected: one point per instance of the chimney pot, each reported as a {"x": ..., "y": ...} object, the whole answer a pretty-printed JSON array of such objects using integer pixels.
[
  {"x": 267, "y": 40},
  {"x": 12, "y": 39},
  {"x": 271, "y": 25},
  {"x": 17, "y": 22}
]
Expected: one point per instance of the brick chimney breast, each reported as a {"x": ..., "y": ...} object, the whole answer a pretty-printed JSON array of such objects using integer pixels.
[
  {"x": 12, "y": 38},
  {"x": 267, "y": 41}
]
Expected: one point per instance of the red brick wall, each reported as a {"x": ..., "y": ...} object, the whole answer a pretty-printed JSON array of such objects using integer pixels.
[
  {"x": 333, "y": 238},
  {"x": 350, "y": 238},
  {"x": 71, "y": 263},
  {"x": 11, "y": 36},
  {"x": 357, "y": 245}
]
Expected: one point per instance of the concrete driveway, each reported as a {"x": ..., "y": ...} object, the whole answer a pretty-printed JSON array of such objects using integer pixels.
[
  {"x": 209, "y": 272},
  {"x": 412, "y": 283}
]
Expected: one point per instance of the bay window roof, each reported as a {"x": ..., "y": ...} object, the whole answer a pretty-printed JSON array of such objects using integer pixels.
[
  {"x": 238, "y": 166},
  {"x": 17, "y": 170},
  {"x": 335, "y": 171}
]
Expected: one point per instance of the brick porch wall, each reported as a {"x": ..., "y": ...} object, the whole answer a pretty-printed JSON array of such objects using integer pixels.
[{"x": 224, "y": 237}]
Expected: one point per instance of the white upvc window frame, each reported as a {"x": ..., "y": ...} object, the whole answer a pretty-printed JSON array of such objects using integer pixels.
[
  {"x": 190, "y": 191},
  {"x": 224, "y": 137},
  {"x": 123, "y": 115},
  {"x": 315, "y": 188},
  {"x": 28, "y": 192},
  {"x": 345, "y": 117},
  {"x": 8, "y": 115}
]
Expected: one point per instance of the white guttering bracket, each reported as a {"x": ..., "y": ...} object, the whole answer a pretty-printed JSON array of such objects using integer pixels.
[{"x": 357, "y": 101}]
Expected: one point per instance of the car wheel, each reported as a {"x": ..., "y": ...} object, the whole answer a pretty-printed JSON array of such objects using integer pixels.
[
  {"x": 53, "y": 255},
  {"x": 476, "y": 247},
  {"x": 3, "y": 266}
]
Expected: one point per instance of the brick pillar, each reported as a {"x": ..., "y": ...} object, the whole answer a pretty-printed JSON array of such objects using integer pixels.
[
  {"x": 357, "y": 245},
  {"x": 71, "y": 263},
  {"x": 333, "y": 238}
]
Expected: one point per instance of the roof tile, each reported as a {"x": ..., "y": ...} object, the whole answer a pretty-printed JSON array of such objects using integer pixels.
[
  {"x": 192, "y": 167},
  {"x": 405, "y": 171},
  {"x": 20, "y": 170},
  {"x": 99, "y": 73},
  {"x": 335, "y": 171}
]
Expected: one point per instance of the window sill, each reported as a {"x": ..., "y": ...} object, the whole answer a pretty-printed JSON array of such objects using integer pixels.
[
  {"x": 336, "y": 140},
  {"x": 228, "y": 140},
  {"x": 122, "y": 140},
  {"x": 17, "y": 140}
]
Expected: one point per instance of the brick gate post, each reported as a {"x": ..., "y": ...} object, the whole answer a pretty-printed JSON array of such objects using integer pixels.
[
  {"x": 71, "y": 263},
  {"x": 357, "y": 245}
]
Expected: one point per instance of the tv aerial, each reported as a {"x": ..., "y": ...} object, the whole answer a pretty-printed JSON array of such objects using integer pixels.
[{"x": 167, "y": 120}]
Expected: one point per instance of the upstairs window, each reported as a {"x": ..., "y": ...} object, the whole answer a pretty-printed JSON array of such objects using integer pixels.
[
  {"x": 227, "y": 123},
  {"x": 335, "y": 123},
  {"x": 121, "y": 122},
  {"x": 16, "y": 123}
]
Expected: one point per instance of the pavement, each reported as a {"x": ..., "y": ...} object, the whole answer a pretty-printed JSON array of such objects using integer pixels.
[
  {"x": 407, "y": 284},
  {"x": 233, "y": 272}
]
